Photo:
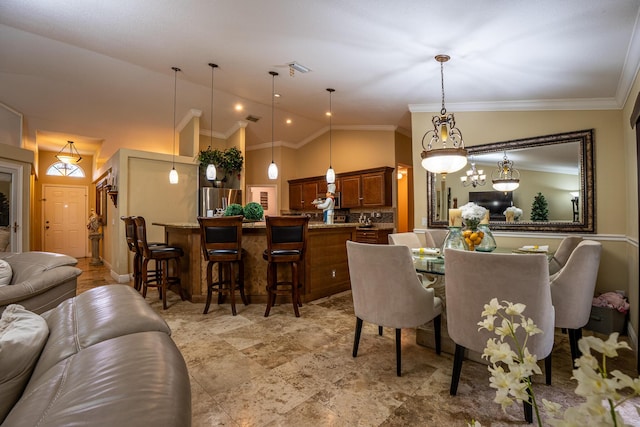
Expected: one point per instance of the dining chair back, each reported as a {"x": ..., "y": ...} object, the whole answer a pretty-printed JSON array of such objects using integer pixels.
[
  {"x": 387, "y": 292},
  {"x": 572, "y": 290},
  {"x": 408, "y": 239},
  {"x": 435, "y": 238},
  {"x": 561, "y": 256},
  {"x": 473, "y": 279}
]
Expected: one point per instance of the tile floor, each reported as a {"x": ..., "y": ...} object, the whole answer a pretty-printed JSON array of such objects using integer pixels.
[{"x": 249, "y": 370}]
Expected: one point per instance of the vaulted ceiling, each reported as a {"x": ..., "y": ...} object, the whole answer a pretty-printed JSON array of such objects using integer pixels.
[{"x": 99, "y": 72}]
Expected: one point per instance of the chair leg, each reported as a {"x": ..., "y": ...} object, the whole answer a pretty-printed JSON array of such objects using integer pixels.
[
  {"x": 177, "y": 278},
  {"x": 209, "y": 287},
  {"x": 145, "y": 277},
  {"x": 574, "y": 337},
  {"x": 356, "y": 340},
  {"x": 437, "y": 326},
  {"x": 399, "y": 352},
  {"x": 295, "y": 296},
  {"x": 272, "y": 274},
  {"x": 220, "y": 282},
  {"x": 137, "y": 275},
  {"x": 380, "y": 330},
  {"x": 232, "y": 288},
  {"x": 547, "y": 369},
  {"x": 457, "y": 368},
  {"x": 164, "y": 264},
  {"x": 241, "y": 282},
  {"x": 528, "y": 408}
]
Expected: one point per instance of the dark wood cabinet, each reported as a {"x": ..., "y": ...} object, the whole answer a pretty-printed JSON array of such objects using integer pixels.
[
  {"x": 378, "y": 236},
  {"x": 351, "y": 195},
  {"x": 302, "y": 194}
]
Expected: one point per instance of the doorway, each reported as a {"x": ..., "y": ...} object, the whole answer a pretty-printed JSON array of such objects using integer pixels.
[
  {"x": 10, "y": 207},
  {"x": 265, "y": 195},
  {"x": 405, "y": 198},
  {"x": 63, "y": 214}
]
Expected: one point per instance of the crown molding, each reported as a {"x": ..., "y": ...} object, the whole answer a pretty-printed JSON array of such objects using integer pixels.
[{"x": 524, "y": 105}]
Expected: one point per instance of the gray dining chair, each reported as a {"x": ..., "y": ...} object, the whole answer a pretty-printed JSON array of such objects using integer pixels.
[
  {"x": 408, "y": 239},
  {"x": 561, "y": 256},
  {"x": 387, "y": 292},
  {"x": 473, "y": 279},
  {"x": 572, "y": 291}
]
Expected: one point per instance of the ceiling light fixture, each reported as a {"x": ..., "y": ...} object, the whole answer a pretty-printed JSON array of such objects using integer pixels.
[
  {"x": 173, "y": 175},
  {"x": 211, "y": 168},
  {"x": 273, "y": 168},
  {"x": 446, "y": 159},
  {"x": 294, "y": 66},
  {"x": 331, "y": 174},
  {"x": 474, "y": 177},
  {"x": 506, "y": 177},
  {"x": 69, "y": 154}
]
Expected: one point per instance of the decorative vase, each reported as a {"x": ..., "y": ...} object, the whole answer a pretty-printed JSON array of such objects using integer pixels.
[
  {"x": 488, "y": 243},
  {"x": 454, "y": 240}
]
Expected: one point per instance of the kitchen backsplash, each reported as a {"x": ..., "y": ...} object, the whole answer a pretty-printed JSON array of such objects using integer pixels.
[{"x": 380, "y": 218}]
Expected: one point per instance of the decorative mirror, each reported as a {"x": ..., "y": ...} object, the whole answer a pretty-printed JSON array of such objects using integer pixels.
[{"x": 559, "y": 167}]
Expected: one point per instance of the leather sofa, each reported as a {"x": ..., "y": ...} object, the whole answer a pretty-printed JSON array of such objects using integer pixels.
[
  {"x": 40, "y": 281},
  {"x": 108, "y": 361}
]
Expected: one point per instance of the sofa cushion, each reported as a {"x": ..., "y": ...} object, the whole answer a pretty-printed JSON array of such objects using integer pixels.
[
  {"x": 29, "y": 264},
  {"x": 5, "y": 238},
  {"x": 5, "y": 273},
  {"x": 23, "y": 334},
  {"x": 94, "y": 316},
  {"x": 134, "y": 380}
]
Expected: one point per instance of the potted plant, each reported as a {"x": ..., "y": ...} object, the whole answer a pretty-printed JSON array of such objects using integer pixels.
[
  {"x": 209, "y": 159},
  {"x": 231, "y": 162}
]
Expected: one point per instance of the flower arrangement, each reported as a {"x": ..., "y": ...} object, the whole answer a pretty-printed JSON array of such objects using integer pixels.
[
  {"x": 472, "y": 214},
  {"x": 594, "y": 383},
  {"x": 512, "y": 212}
]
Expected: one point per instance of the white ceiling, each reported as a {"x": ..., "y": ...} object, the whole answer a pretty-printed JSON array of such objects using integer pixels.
[{"x": 95, "y": 71}]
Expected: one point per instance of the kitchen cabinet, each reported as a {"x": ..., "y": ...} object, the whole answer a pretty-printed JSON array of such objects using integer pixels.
[
  {"x": 378, "y": 236},
  {"x": 301, "y": 194},
  {"x": 366, "y": 189}
]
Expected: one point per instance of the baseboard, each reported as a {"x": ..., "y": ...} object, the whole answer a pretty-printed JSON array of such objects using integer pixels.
[{"x": 120, "y": 278}]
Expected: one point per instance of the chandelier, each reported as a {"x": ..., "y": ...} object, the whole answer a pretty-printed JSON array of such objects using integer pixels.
[
  {"x": 474, "y": 177},
  {"x": 506, "y": 177},
  {"x": 69, "y": 154},
  {"x": 437, "y": 157}
]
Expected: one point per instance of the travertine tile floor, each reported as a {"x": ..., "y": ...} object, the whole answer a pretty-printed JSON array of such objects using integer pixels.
[{"x": 249, "y": 370}]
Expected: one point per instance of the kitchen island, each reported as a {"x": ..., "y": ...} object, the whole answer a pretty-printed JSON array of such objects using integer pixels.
[{"x": 324, "y": 272}]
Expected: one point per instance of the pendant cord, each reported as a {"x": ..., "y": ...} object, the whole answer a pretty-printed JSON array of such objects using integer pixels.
[
  {"x": 273, "y": 95},
  {"x": 175, "y": 91}
]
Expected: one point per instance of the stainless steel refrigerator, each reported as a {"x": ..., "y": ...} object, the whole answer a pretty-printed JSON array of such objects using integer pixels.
[{"x": 212, "y": 199}]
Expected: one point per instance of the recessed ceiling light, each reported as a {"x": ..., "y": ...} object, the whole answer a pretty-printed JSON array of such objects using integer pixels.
[
  {"x": 239, "y": 107},
  {"x": 299, "y": 67},
  {"x": 289, "y": 121},
  {"x": 276, "y": 95}
]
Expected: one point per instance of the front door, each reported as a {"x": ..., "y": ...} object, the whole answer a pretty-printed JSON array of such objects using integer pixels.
[
  {"x": 10, "y": 207},
  {"x": 64, "y": 210}
]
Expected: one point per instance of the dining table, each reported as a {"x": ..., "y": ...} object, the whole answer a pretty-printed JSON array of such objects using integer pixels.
[{"x": 431, "y": 268}]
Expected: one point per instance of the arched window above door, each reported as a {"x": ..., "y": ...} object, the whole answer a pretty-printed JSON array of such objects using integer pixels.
[{"x": 64, "y": 169}]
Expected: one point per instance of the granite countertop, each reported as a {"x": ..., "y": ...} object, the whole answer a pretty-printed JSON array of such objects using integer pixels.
[{"x": 257, "y": 224}]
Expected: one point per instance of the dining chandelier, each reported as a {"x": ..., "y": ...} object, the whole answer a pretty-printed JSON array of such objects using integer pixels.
[
  {"x": 506, "y": 177},
  {"x": 331, "y": 174},
  {"x": 211, "y": 168},
  {"x": 474, "y": 177},
  {"x": 173, "y": 175},
  {"x": 69, "y": 154},
  {"x": 272, "y": 172},
  {"x": 437, "y": 157}
]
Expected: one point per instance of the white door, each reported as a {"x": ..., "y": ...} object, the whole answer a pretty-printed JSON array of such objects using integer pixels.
[
  {"x": 10, "y": 207},
  {"x": 65, "y": 229},
  {"x": 266, "y": 196}
]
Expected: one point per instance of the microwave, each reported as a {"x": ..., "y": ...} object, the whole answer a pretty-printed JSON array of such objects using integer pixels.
[{"x": 336, "y": 199}]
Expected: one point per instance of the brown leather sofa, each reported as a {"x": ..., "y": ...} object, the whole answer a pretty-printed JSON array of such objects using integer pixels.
[
  {"x": 109, "y": 361},
  {"x": 40, "y": 281}
]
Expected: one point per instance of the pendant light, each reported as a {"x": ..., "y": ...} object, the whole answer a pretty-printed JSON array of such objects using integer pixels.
[
  {"x": 272, "y": 172},
  {"x": 331, "y": 174},
  {"x": 70, "y": 158},
  {"x": 173, "y": 175},
  {"x": 506, "y": 177},
  {"x": 436, "y": 156},
  {"x": 211, "y": 168}
]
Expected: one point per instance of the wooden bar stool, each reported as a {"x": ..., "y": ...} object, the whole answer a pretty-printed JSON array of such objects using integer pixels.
[
  {"x": 132, "y": 243},
  {"x": 161, "y": 255},
  {"x": 286, "y": 243},
  {"x": 221, "y": 241}
]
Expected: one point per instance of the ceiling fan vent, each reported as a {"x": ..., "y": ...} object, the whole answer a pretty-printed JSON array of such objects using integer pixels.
[{"x": 252, "y": 118}]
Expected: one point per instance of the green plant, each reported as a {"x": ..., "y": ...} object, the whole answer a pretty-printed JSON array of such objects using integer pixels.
[
  {"x": 539, "y": 211},
  {"x": 253, "y": 211},
  {"x": 210, "y": 157},
  {"x": 234, "y": 209},
  {"x": 231, "y": 161}
]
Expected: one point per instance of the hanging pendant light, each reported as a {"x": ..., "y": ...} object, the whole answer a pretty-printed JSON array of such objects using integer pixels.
[
  {"x": 437, "y": 157},
  {"x": 69, "y": 154},
  {"x": 173, "y": 175},
  {"x": 331, "y": 174},
  {"x": 506, "y": 177},
  {"x": 272, "y": 172},
  {"x": 211, "y": 168}
]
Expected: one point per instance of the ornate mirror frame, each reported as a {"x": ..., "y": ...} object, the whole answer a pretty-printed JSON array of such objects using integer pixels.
[{"x": 587, "y": 199}]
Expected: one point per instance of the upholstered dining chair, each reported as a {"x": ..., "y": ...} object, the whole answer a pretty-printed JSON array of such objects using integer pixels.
[
  {"x": 408, "y": 239},
  {"x": 387, "y": 293},
  {"x": 561, "y": 256},
  {"x": 435, "y": 238},
  {"x": 572, "y": 290},
  {"x": 473, "y": 279}
]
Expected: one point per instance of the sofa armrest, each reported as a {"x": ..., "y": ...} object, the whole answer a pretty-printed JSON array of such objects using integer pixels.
[{"x": 25, "y": 293}]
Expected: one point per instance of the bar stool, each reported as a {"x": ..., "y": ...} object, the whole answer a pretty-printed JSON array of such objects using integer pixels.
[
  {"x": 221, "y": 241},
  {"x": 161, "y": 255},
  {"x": 132, "y": 243},
  {"x": 286, "y": 244}
]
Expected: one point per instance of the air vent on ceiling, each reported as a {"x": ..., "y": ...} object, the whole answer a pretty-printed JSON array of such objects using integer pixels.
[{"x": 252, "y": 118}]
